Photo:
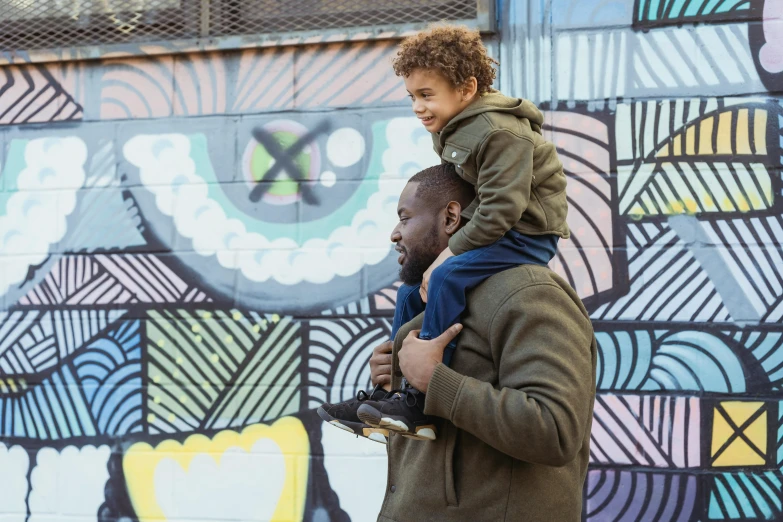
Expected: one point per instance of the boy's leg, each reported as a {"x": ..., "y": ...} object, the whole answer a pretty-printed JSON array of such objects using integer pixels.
[
  {"x": 409, "y": 305},
  {"x": 450, "y": 282},
  {"x": 344, "y": 415}
]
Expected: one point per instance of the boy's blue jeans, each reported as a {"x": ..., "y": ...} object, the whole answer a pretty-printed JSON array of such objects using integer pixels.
[{"x": 451, "y": 281}]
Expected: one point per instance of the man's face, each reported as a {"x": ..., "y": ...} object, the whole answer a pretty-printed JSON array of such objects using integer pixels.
[
  {"x": 418, "y": 236},
  {"x": 435, "y": 100}
]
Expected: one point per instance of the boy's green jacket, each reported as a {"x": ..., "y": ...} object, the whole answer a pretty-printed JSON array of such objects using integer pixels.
[{"x": 496, "y": 145}]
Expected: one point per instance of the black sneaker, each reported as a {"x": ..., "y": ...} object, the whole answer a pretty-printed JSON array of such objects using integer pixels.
[
  {"x": 402, "y": 411},
  {"x": 343, "y": 415}
]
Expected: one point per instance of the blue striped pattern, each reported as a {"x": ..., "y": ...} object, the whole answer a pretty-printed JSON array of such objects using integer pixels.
[
  {"x": 98, "y": 392},
  {"x": 677, "y": 11}
]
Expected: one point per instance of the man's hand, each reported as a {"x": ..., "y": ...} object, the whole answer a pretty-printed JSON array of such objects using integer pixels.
[
  {"x": 425, "y": 282},
  {"x": 381, "y": 365},
  {"x": 418, "y": 357}
]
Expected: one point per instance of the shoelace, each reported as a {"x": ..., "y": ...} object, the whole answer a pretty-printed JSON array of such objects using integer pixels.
[
  {"x": 405, "y": 394},
  {"x": 363, "y": 395}
]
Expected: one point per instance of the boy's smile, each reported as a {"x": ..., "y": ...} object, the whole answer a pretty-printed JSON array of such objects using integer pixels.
[{"x": 435, "y": 100}]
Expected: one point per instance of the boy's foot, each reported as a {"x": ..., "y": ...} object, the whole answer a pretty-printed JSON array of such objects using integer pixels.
[
  {"x": 402, "y": 411},
  {"x": 343, "y": 415}
]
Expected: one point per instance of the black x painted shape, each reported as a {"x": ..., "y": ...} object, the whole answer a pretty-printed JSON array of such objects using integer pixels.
[
  {"x": 284, "y": 160},
  {"x": 739, "y": 432}
]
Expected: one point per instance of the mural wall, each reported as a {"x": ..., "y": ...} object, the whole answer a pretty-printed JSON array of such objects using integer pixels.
[{"x": 194, "y": 254}]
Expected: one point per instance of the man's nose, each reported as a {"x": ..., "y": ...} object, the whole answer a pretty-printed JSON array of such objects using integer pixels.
[{"x": 395, "y": 235}]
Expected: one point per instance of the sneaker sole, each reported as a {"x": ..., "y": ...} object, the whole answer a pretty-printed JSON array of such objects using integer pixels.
[
  {"x": 373, "y": 433},
  {"x": 374, "y": 418}
]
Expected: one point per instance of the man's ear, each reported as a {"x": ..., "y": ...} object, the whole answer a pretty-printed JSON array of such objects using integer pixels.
[{"x": 453, "y": 210}]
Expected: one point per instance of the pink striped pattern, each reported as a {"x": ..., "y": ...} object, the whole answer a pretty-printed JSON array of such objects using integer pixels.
[
  {"x": 646, "y": 431},
  {"x": 587, "y": 260},
  {"x": 111, "y": 279}
]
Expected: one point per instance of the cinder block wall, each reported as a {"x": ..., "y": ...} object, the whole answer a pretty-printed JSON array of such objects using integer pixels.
[{"x": 174, "y": 304}]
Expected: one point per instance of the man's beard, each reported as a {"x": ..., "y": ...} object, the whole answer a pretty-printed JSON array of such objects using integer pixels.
[{"x": 419, "y": 258}]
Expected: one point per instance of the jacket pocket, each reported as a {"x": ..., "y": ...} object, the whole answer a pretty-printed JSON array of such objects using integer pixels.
[
  {"x": 455, "y": 154},
  {"x": 452, "y": 439}
]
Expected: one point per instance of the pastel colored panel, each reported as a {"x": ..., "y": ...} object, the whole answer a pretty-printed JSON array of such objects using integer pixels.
[
  {"x": 15, "y": 463},
  {"x": 200, "y": 84},
  {"x": 754, "y": 496},
  {"x": 339, "y": 353},
  {"x": 632, "y": 496},
  {"x": 347, "y": 74},
  {"x": 646, "y": 430},
  {"x": 258, "y": 474},
  {"x": 33, "y": 94},
  {"x": 137, "y": 88},
  {"x": 69, "y": 484},
  {"x": 220, "y": 368}
]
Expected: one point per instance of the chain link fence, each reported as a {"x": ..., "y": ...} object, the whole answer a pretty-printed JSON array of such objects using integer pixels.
[{"x": 49, "y": 24}]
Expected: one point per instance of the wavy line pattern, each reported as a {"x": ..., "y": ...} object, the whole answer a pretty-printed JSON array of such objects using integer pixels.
[
  {"x": 53, "y": 409},
  {"x": 137, "y": 88},
  {"x": 672, "y": 360},
  {"x": 692, "y": 134},
  {"x": 334, "y": 75},
  {"x": 338, "y": 357},
  {"x": 630, "y": 496},
  {"x": 587, "y": 260},
  {"x": 753, "y": 496},
  {"x": 111, "y": 379}
]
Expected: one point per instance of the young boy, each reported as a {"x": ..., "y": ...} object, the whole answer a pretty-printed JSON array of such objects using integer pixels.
[{"x": 517, "y": 218}]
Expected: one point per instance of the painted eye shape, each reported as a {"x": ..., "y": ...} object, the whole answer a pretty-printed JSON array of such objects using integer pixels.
[{"x": 300, "y": 216}]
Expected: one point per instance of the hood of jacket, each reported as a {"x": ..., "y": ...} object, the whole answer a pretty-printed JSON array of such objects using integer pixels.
[{"x": 494, "y": 101}]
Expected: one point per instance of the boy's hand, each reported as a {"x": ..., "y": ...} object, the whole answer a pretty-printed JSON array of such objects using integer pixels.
[
  {"x": 419, "y": 357},
  {"x": 447, "y": 253}
]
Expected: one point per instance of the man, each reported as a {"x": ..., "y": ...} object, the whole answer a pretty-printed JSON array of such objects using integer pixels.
[{"x": 515, "y": 402}]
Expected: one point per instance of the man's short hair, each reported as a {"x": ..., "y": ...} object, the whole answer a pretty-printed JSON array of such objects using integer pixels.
[{"x": 441, "y": 184}]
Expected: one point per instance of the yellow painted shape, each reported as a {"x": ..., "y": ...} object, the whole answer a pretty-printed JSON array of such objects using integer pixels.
[
  {"x": 691, "y": 206},
  {"x": 743, "y": 132},
  {"x": 760, "y": 132},
  {"x": 724, "y": 133},
  {"x": 677, "y": 145},
  {"x": 721, "y": 431},
  {"x": 740, "y": 411},
  {"x": 690, "y": 141},
  {"x": 739, "y": 454},
  {"x": 705, "y": 137},
  {"x": 757, "y": 432},
  {"x": 663, "y": 152},
  {"x": 141, "y": 461}
]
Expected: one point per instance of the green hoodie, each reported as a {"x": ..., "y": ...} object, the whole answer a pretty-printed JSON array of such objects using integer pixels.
[{"x": 496, "y": 145}]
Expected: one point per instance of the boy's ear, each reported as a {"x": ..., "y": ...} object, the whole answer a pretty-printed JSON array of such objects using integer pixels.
[{"x": 469, "y": 88}]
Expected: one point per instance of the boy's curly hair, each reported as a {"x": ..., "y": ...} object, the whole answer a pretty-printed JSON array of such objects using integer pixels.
[{"x": 456, "y": 51}]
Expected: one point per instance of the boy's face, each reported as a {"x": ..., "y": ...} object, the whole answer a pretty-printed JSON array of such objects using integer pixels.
[{"x": 435, "y": 100}]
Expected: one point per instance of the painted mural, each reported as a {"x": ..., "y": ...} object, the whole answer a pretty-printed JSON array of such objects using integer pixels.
[{"x": 194, "y": 254}]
